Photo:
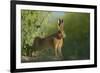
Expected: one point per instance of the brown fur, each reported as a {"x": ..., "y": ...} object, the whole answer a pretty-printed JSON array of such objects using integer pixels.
[{"x": 54, "y": 41}]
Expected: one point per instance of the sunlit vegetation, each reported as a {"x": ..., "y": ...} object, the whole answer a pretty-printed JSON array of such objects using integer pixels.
[{"x": 44, "y": 23}]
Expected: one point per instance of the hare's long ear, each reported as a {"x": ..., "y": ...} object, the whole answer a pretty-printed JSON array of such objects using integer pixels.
[
  {"x": 60, "y": 24},
  {"x": 62, "y": 21},
  {"x": 59, "y": 21}
]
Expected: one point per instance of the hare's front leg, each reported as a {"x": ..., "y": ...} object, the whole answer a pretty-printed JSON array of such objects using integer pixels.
[
  {"x": 56, "y": 47},
  {"x": 60, "y": 48}
]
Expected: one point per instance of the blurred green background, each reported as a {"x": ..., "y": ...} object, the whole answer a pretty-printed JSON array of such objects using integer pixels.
[{"x": 44, "y": 23}]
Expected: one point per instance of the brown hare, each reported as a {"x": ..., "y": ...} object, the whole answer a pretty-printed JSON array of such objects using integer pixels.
[{"x": 54, "y": 41}]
